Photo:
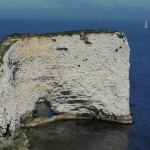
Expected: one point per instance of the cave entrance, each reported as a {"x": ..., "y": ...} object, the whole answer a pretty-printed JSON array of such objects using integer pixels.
[{"x": 42, "y": 110}]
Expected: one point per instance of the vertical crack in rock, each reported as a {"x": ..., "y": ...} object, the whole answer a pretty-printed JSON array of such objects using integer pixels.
[
  {"x": 7, "y": 133},
  {"x": 16, "y": 68}
]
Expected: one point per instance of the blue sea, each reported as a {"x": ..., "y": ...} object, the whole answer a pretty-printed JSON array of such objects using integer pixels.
[{"x": 100, "y": 135}]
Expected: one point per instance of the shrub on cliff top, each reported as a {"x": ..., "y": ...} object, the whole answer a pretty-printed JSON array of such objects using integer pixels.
[
  {"x": 69, "y": 33},
  {"x": 4, "y": 48}
]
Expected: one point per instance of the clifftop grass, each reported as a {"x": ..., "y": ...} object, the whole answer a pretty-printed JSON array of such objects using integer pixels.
[
  {"x": 51, "y": 34},
  {"x": 5, "y": 47}
]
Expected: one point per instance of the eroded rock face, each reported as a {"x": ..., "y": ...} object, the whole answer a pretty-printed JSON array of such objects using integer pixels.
[{"x": 76, "y": 76}]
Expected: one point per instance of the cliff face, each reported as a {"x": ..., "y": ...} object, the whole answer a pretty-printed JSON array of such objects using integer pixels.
[{"x": 79, "y": 74}]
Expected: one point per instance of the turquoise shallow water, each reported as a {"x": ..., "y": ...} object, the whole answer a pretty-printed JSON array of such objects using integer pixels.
[{"x": 97, "y": 135}]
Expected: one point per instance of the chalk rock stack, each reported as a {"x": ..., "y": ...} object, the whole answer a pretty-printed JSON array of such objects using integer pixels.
[{"x": 81, "y": 74}]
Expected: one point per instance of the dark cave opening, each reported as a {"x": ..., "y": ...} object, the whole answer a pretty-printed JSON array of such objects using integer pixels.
[
  {"x": 42, "y": 110},
  {"x": 7, "y": 133}
]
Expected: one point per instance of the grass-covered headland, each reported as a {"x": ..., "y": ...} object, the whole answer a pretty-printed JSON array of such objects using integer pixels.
[
  {"x": 69, "y": 33},
  {"x": 4, "y": 47}
]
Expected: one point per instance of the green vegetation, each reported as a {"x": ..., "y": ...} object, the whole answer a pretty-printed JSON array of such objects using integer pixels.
[
  {"x": 15, "y": 144},
  {"x": 87, "y": 42},
  {"x": 54, "y": 40},
  {"x": 3, "y": 49},
  {"x": 120, "y": 35},
  {"x": 69, "y": 33}
]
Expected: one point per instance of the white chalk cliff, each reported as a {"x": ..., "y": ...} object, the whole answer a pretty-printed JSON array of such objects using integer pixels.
[{"x": 85, "y": 74}]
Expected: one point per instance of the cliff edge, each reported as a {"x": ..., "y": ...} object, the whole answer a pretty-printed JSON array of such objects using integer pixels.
[{"x": 86, "y": 73}]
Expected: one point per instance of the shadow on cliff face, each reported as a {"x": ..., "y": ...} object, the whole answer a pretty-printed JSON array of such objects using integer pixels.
[
  {"x": 42, "y": 110},
  {"x": 79, "y": 135}
]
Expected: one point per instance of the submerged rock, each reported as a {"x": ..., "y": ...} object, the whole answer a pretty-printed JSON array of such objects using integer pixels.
[{"x": 82, "y": 74}]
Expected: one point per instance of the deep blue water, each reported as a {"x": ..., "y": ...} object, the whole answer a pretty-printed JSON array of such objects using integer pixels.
[{"x": 139, "y": 40}]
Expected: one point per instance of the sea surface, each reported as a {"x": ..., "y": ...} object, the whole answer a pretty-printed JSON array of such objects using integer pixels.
[{"x": 98, "y": 135}]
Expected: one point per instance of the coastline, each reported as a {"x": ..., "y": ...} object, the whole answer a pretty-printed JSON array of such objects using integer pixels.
[{"x": 43, "y": 121}]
